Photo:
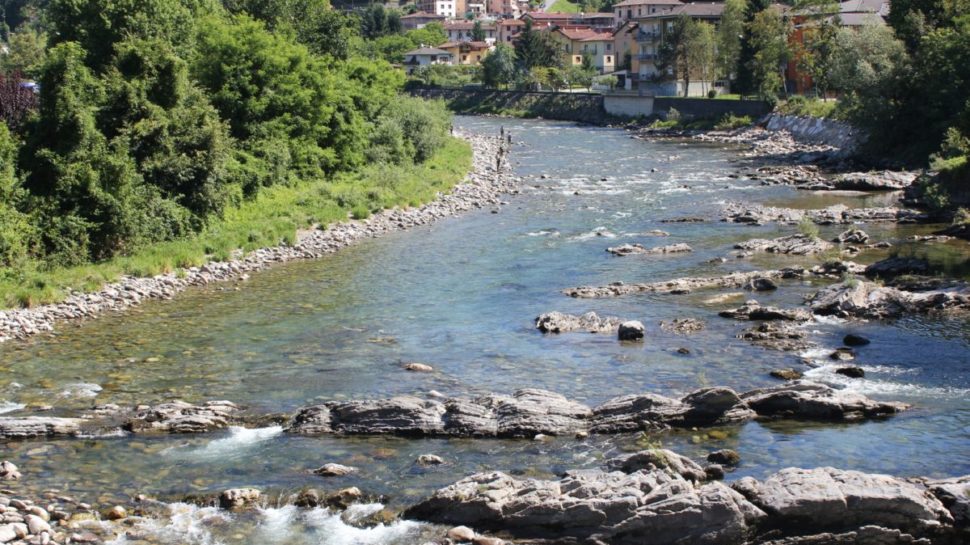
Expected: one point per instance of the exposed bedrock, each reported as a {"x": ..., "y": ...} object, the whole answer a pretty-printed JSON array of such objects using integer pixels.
[
  {"x": 530, "y": 412},
  {"x": 661, "y": 502},
  {"x": 631, "y": 249},
  {"x": 792, "y": 244},
  {"x": 756, "y": 214},
  {"x": 736, "y": 280},
  {"x": 752, "y": 310},
  {"x": 860, "y": 299}
]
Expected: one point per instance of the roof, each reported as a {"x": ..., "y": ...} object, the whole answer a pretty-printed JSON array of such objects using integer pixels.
[
  {"x": 540, "y": 15},
  {"x": 423, "y": 15},
  {"x": 626, "y": 3},
  {"x": 628, "y": 26},
  {"x": 862, "y": 6},
  {"x": 427, "y": 51},
  {"x": 602, "y": 15},
  {"x": 585, "y": 34},
  {"x": 861, "y": 19},
  {"x": 513, "y": 22},
  {"x": 466, "y": 25},
  {"x": 697, "y": 10}
]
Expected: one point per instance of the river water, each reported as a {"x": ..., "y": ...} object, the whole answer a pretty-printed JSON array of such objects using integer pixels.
[{"x": 462, "y": 295}]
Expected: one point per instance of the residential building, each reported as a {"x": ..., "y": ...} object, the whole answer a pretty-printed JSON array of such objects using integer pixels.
[
  {"x": 508, "y": 29},
  {"x": 477, "y": 7},
  {"x": 626, "y": 47},
  {"x": 467, "y": 53},
  {"x": 576, "y": 43},
  {"x": 461, "y": 31},
  {"x": 425, "y": 56},
  {"x": 634, "y": 10},
  {"x": 420, "y": 19},
  {"x": 541, "y": 19},
  {"x": 507, "y": 8},
  {"x": 446, "y": 8},
  {"x": 650, "y": 36}
]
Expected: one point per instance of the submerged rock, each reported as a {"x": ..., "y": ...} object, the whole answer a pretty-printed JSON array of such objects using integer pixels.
[
  {"x": 629, "y": 249},
  {"x": 783, "y": 336},
  {"x": 557, "y": 322},
  {"x": 855, "y": 340},
  {"x": 851, "y": 372},
  {"x": 786, "y": 374},
  {"x": 897, "y": 266},
  {"x": 683, "y": 326}
]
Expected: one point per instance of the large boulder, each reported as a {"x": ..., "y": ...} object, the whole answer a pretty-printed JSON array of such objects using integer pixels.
[
  {"x": 558, "y": 322},
  {"x": 833, "y": 499},
  {"x": 659, "y": 458},
  {"x": 897, "y": 266},
  {"x": 803, "y": 400},
  {"x": 955, "y": 495},
  {"x": 886, "y": 180},
  {"x": 38, "y": 426},
  {"x": 657, "y": 507},
  {"x": 182, "y": 417},
  {"x": 752, "y": 310},
  {"x": 402, "y": 415},
  {"x": 859, "y": 299}
]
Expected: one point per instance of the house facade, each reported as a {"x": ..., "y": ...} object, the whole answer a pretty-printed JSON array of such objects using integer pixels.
[
  {"x": 634, "y": 10},
  {"x": 506, "y": 8},
  {"x": 420, "y": 19},
  {"x": 445, "y": 8},
  {"x": 652, "y": 32},
  {"x": 425, "y": 56},
  {"x": 508, "y": 30},
  {"x": 576, "y": 43},
  {"x": 467, "y": 53},
  {"x": 461, "y": 31}
]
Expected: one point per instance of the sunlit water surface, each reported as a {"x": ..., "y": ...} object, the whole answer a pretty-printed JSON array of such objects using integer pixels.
[{"x": 462, "y": 295}]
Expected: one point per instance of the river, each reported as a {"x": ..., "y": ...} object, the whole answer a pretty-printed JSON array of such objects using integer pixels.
[{"x": 462, "y": 295}]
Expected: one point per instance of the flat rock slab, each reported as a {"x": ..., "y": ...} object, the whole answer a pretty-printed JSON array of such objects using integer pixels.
[
  {"x": 39, "y": 426},
  {"x": 531, "y": 412},
  {"x": 752, "y": 310},
  {"x": 737, "y": 280},
  {"x": 783, "y": 336},
  {"x": 793, "y": 244},
  {"x": 639, "y": 249},
  {"x": 754, "y": 214},
  {"x": 558, "y": 322},
  {"x": 833, "y": 499},
  {"x": 655, "y": 507}
]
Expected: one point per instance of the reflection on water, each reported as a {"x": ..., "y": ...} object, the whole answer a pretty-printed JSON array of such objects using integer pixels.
[{"x": 461, "y": 296}]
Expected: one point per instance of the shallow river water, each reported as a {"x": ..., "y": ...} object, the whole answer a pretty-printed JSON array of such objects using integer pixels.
[{"x": 462, "y": 295}]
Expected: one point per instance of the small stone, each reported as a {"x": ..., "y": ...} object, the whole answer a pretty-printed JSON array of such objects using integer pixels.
[
  {"x": 725, "y": 457},
  {"x": 851, "y": 372},
  {"x": 334, "y": 470},
  {"x": 461, "y": 534},
  {"x": 842, "y": 354},
  {"x": 116, "y": 513},
  {"x": 419, "y": 367},
  {"x": 430, "y": 460},
  {"x": 632, "y": 330},
  {"x": 714, "y": 472},
  {"x": 855, "y": 340},
  {"x": 40, "y": 512},
  {"x": 786, "y": 374},
  {"x": 582, "y": 435},
  {"x": 8, "y": 471},
  {"x": 238, "y": 497},
  {"x": 307, "y": 499},
  {"x": 683, "y": 350},
  {"x": 344, "y": 497},
  {"x": 36, "y": 525},
  {"x": 761, "y": 283}
]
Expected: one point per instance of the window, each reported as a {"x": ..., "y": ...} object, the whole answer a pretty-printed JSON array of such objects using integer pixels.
[{"x": 609, "y": 47}]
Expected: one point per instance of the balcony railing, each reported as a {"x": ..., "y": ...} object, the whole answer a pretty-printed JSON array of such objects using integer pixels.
[
  {"x": 648, "y": 36},
  {"x": 647, "y": 56}
]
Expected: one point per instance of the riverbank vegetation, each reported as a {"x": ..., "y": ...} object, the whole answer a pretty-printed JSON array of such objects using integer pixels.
[{"x": 169, "y": 132}]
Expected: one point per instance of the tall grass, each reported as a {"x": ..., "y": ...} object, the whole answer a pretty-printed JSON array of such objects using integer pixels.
[{"x": 271, "y": 218}]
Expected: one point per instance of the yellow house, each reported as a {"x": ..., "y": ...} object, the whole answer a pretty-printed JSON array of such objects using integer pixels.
[
  {"x": 578, "y": 42},
  {"x": 626, "y": 47},
  {"x": 467, "y": 53}
]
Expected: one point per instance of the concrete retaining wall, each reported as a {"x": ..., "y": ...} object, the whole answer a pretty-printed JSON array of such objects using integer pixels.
[
  {"x": 710, "y": 108},
  {"x": 582, "y": 107},
  {"x": 816, "y": 130},
  {"x": 628, "y": 105}
]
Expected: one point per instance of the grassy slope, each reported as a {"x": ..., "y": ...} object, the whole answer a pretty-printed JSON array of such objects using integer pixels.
[
  {"x": 274, "y": 216},
  {"x": 564, "y": 6}
]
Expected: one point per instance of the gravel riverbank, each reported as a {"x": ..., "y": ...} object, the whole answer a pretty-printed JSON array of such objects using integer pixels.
[{"x": 491, "y": 177}]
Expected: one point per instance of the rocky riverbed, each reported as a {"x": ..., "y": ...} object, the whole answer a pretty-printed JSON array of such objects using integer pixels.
[{"x": 491, "y": 177}]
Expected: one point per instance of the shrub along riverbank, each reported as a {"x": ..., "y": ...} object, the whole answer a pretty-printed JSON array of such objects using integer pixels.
[
  {"x": 272, "y": 217},
  {"x": 167, "y": 132}
]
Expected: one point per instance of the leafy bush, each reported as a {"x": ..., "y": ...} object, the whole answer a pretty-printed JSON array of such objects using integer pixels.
[
  {"x": 801, "y": 106},
  {"x": 731, "y": 121},
  {"x": 808, "y": 228}
]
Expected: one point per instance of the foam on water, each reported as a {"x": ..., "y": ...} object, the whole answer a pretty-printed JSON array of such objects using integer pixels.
[
  {"x": 185, "y": 524},
  {"x": 9, "y": 406},
  {"x": 331, "y": 529},
  {"x": 875, "y": 386},
  {"x": 239, "y": 441},
  {"x": 81, "y": 389},
  {"x": 277, "y": 524}
]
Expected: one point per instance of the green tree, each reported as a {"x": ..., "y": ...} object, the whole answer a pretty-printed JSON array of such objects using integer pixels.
[
  {"x": 430, "y": 35},
  {"x": 729, "y": 37},
  {"x": 16, "y": 232},
  {"x": 498, "y": 68},
  {"x": 535, "y": 48},
  {"x": 689, "y": 50},
  {"x": 27, "y": 49},
  {"x": 745, "y": 81},
  {"x": 478, "y": 33},
  {"x": 769, "y": 41},
  {"x": 913, "y": 19}
]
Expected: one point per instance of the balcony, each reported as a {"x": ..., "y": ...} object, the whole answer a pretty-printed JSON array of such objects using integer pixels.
[
  {"x": 648, "y": 36},
  {"x": 647, "y": 57}
]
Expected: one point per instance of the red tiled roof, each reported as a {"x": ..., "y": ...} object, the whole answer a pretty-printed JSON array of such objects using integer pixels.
[
  {"x": 585, "y": 34},
  {"x": 423, "y": 15}
]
